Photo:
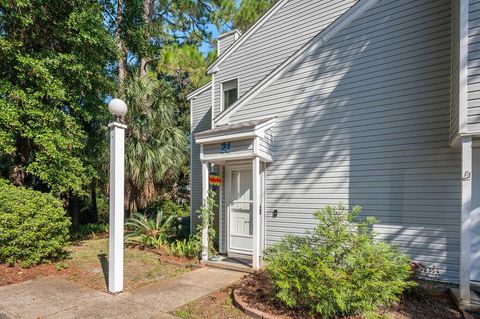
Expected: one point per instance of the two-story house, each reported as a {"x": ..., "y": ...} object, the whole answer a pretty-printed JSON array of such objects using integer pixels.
[{"x": 371, "y": 102}]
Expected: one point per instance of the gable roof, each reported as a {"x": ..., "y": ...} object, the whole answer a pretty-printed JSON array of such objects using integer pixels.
[
  {"x": 199, "y": 90},
  {"x": 213, "y": 68},
  {"x": 321, "y": 38}
]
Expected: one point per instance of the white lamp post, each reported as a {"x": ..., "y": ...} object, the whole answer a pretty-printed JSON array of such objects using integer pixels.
[{"x": 117, "y": 189}]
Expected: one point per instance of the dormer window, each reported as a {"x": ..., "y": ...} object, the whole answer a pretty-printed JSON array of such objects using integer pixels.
[{"x": 230, "y": 93}]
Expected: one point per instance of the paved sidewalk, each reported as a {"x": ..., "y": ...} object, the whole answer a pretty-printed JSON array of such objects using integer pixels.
[{"x": 54, "y": 297}]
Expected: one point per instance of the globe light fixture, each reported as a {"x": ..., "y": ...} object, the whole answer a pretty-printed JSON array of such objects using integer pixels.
[{"x": 118, "y": 108}]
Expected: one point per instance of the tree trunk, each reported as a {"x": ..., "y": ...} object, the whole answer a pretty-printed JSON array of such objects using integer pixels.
[
  {"x": 147, "y": 18},
  {"x": 123, "y": 51},
  {"x": 74, "y": 209},
  {"x": 20, "y": 160},
  {"x": 93, "y": 218}
]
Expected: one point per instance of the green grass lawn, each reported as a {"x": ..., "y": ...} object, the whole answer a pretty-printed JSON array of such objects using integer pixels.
[{"x": 88, "y": 265}]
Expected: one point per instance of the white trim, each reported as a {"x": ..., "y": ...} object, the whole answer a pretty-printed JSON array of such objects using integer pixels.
[
  {"x": 255, "y": 146},
  {"x": 264, "y": 207},
  {"x": 227, "y": 157},
  {"x": 463, "y": 68},
  {"x": 257, "y": 223},
  {"x": 465, "y": 242},
  {"x": 213, "y": 102},
  {"x": 200, "y": 90},
  {"x": 231, "y": 137},
  {"x": 344, "y": 20},
  {"x": 205, "y": 176},
  {"x": 213, "y": 68},
  {"x": 220, "y": 212},
  {"x": 222, "y": 107},
  {"x": 191, "y": 166}
]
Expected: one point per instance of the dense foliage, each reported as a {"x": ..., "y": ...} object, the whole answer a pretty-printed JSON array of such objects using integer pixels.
[
  {"x": 168, "y": 207},
  {"x": 33, "y": 226},
  {"x": 189, "y": 247},
  {"x": 155, "y": 145},
  {"x": 339, "y": 268},
  {"x": 249, "y": 12},
  {"x": 53, "y": 79},
  {"x": 150, "y": 232}
]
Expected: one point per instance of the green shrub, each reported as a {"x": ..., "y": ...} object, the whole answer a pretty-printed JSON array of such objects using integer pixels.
[
  {"x": 33, "y": 226},
  {"x": 189, "y": 248},
  {"x": 206, "y": 214},
  {"x": 338, "y": 269},
  {"x": 150, "y": 232},
  {"x": 89, "y": 230},
  {"x": 168, "y": 207}
]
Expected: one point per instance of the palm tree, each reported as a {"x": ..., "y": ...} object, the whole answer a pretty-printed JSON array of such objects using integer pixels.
[{"x": 155, "y": 145}]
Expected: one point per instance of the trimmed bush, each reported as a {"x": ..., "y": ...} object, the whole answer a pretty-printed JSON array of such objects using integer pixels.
[
  {"x": 338, "y": 269},
  {"x": 33, "y": 226}
]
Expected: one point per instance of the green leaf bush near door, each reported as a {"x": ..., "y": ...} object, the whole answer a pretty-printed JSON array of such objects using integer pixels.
[
  {"x": 33, "y": 226},
  {"x": 339, "y": 268}
]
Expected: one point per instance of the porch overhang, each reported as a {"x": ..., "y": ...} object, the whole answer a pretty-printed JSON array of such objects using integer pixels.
[{"x": 237, "y": 142}]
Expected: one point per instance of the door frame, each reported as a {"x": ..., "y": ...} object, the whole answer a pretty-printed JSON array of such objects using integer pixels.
[{"x": 228, "y": 183}]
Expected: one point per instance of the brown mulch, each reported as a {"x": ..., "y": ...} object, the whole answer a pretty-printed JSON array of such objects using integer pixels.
[
  {"x": 255, "y": 290},
  {"x": 17, "y": 274},
  {"x": 174, "y": 260}
]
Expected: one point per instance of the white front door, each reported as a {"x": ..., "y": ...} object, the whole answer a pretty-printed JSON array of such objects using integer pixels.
[{"x": 240, "y": 210}]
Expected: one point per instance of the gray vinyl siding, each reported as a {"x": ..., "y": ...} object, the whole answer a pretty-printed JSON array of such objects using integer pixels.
[
  {"x": 365, "y": 120},
  {"x": 201, "y": 121},
  {"x": 225, "y": 42},
  {"x": 266, "y": 144},
  {"x": 473, "y": 109},
  {"x": 455, "y": 78},
  {"x": 292, "y": 26}
]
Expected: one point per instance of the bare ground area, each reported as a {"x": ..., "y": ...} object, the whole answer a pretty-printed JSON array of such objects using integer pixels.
[
  {"x": 87, "y": 265},
  {"x": 217, "y": 305}
]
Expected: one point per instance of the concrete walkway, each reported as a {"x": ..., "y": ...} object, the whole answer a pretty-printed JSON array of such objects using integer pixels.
[{"x": 54, "y": 297}]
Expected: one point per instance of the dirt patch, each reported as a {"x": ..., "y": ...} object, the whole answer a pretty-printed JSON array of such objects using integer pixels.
[
  {"x": 217, "y": 305},
  {"x": 16, "y": 274},
  {"x": 87, "y": 265},
  {"x": 255, "y": 291}
]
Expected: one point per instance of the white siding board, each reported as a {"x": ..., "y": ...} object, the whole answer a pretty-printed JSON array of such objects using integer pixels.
[{"x": 372, "y": 127}]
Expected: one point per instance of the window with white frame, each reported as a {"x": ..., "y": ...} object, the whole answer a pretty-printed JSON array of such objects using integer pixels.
[{"x": 230, "y": 93}]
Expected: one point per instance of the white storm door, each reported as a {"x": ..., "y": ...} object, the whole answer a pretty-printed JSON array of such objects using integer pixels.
[{"x": 240, "y": 210}]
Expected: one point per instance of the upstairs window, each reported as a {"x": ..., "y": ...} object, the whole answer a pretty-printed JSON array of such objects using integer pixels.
[{"x": 230, "y": 93}]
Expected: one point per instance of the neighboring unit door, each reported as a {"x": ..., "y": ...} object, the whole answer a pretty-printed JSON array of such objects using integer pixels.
[
  {"x": 475, "y": 223},
  {"x": 240, "y": 210}
]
